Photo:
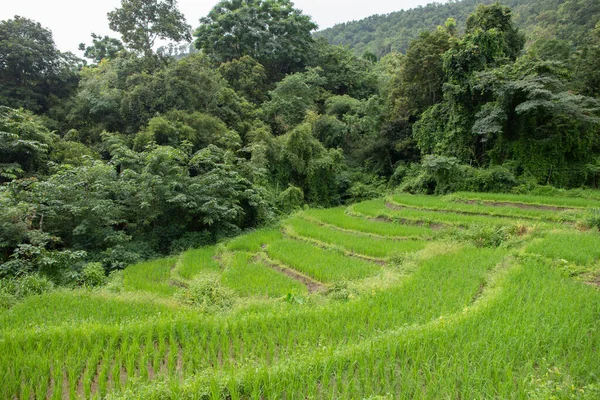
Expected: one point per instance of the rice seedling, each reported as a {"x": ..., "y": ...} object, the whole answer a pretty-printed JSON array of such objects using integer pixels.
[
  {"x": 324, "y": 265},
  {"x": 150, "y": 276},
  {"x": 254, "y": 241},
  {"x": 508, "y": 210},
  {"x": 354, "y": 243},
  {"x": 378, "y": 209},
  {"x": 578, "y": 247},
  {"x": 557, "y": 201},
  {"x": 249, "y": 277},
  {"x": 338, "y": 217},
  {"x": 197, "y": 261}
]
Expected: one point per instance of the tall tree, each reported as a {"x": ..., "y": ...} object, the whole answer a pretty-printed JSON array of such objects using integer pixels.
[
  {"x": 31, "y": 67},
  {"x": 142, "y": 22},
  {"x": 101, "y": 48},
  {"x": 273, "y": 32}
]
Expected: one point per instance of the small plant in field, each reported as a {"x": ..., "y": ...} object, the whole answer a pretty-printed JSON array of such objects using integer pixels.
[
  {"x": 294, "y": 298},
  {"x": 340, "y": 291},
  {"x": 7, "y": 300},
  {"x": 592, "y": 219},
  {"x": 483, "y": 235},
  {"x": 114, "y": 282},
  {"x": 556, "y": 385},
  {"x": 92, "y": 275},
  {"x": 207, "y": 293}
]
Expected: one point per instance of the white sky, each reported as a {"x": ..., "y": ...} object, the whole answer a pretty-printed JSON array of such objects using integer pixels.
[{"x": 72, "y": 21}]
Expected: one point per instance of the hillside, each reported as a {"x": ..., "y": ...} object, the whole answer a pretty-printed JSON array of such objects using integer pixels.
[
  {"x": 380, "y": 34},
  {"x": 465, "y": 296}
]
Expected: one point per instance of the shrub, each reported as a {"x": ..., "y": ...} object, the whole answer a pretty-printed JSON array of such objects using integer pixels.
[
  {"x": 290, "y": 199},
  {"x": 115, "y": 282},
  {"x": 207, "y": 293},
  {"x": 339, "y": 291},
  {"x": 92, "y": 275},
  {"x": 24, "y": 286},
  {"x": 592, "y": 219},
  {"x": 7, "y": 300}
]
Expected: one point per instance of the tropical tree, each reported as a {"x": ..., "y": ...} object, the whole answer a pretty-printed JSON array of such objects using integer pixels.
[
  {"x": 142, "y": 22},
  {"x": 272, "y": 32},
  {"x": 33, "y": 73}
]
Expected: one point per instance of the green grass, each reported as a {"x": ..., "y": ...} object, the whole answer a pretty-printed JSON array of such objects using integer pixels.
[
  {"x": 63, "y": 308},
  {"x": 444, "y": 204},
  {"x": 254, "y": 241},
  {"x": 355, "y": 243},
  {"x": 556, "y": 201},
  {"x": 577, "y": 247},
  {"x": 378, "y": 209},
  {"x": 338, "y": 217},
  {"x": 150, "y": 276},
  {"x": 196, "y": 261},
  {"x": 324, "y": 265},
  {"x": 249, "y": 277}
]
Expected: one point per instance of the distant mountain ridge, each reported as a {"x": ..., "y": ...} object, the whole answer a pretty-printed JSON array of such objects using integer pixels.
[{"x": 567, "y": 20}]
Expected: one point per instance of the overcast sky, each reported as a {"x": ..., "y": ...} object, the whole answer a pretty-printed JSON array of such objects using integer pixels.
[{"x": 72, "y": 21}]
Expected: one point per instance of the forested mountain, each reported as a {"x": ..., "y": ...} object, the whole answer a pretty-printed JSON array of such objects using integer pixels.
[
  {"x": 137, "y": 153},
  {"x": 568, "y": 20}
]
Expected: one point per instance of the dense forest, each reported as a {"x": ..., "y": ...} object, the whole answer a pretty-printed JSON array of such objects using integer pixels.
[
  {"x": 567, "y": 20},
  {"x": 135, "y": 152}
]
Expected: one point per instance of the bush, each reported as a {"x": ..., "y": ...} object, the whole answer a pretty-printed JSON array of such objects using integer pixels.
[
  {"x": 441, "y": 175},
  {"x": 207, "y": 293},
  {"x": 92, "y": 275},
  {"x": 14, "y": 289},
  {"x": 7, "y": 300},
  {"x": 484, "y": 235},
  {"x": 592, "y": 219},
  {"x": 340, "y": 292},
  {"x": 115, "y": 283},
  {"x": 290, "y": 199}
]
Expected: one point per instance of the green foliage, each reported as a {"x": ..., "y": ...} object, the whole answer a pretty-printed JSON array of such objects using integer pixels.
[
  {"x": 92, "y": 275},
  {"x": 592, "y": 219},
  {"x": 207, "y": 294},
  {"x": 24, "y": 143},
  {"x": 197, "y": 262},
  {"x": 303, "y": 161},
  {"x": 290, "y": 199},
  {"x": 150, "y": 276},
  {"x": 33, "y": 74},
  {"x": 291, "y": 99},
  {"x": 248, "y": 277},
  {"x": 101, "y": 48},
  {"x": 275, "y": 34},
  {"x": 25, "y": 286},
  {"x": 142, "y": 22},
  {"x": 246, "y": 76}
]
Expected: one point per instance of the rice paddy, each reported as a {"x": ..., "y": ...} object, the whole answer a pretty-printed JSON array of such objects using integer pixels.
[{"x": 385, "y": 299}]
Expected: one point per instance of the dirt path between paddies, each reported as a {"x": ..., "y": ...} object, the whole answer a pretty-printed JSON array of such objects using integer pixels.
[{"x": 312, "y": 285}]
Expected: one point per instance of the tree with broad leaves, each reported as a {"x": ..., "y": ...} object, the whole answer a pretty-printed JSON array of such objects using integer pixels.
[
  {"x": 272, "y": 32},
  {"x": 142, "y": 22}
]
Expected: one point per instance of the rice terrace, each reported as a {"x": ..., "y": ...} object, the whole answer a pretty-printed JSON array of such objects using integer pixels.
[{"x": 464, "y": 296}]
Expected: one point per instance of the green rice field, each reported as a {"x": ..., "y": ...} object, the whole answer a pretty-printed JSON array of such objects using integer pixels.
[{"x": 468, "y": 296}]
